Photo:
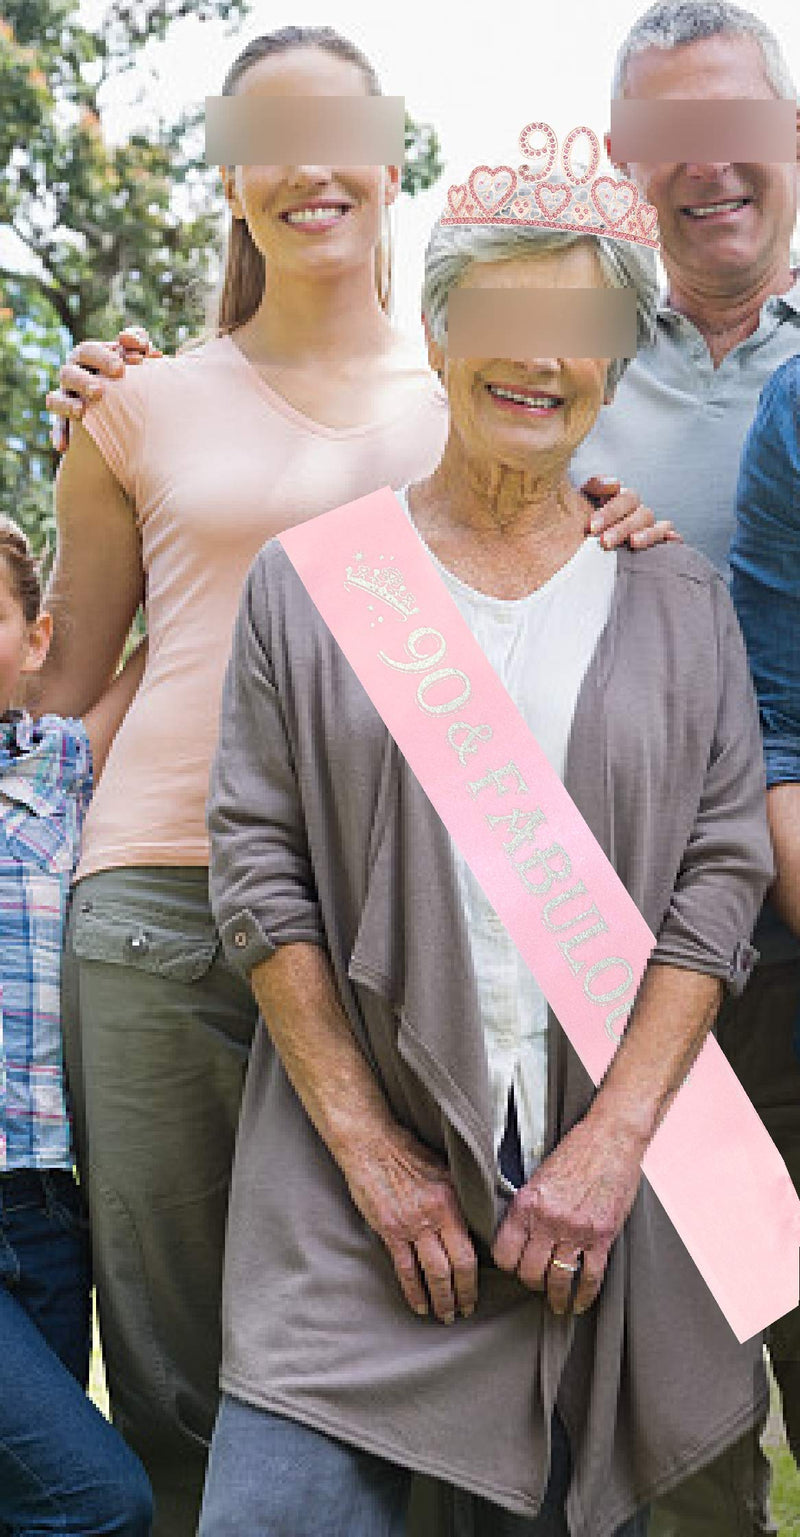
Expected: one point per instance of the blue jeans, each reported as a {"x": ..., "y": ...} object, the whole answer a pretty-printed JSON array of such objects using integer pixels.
[
  {"x": 272, "y": 1477},
  {"x": 63, "y": 1468}
]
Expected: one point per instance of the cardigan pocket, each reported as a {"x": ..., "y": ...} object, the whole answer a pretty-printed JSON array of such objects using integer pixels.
[{"x": 103, "y": 931}]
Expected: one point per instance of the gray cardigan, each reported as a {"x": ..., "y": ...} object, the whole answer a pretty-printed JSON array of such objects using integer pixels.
[{"x": 320, "y": 833}]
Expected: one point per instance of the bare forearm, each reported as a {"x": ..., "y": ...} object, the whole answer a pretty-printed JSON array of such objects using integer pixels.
[
  {"x": 783, "y": 807},
  {"x": 580, "y": 1196},
  {"x": 296, "y": 993},
  {"x": 674, "y": 1012}
]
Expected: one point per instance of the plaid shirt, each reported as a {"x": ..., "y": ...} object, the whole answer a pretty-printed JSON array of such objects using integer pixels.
[{"x": 45, "y": 787}]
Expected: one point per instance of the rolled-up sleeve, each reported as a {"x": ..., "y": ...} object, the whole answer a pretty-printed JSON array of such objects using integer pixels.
[
  {"x": 765, "y": 565},
  {"x": 727, "y": 866},
  {"x": 261, "y": 881}
]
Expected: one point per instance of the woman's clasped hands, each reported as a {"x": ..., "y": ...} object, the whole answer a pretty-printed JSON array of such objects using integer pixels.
[
  {"x": 559, "y": 1228},
  {"x": 556, "y": 1234},
  {"x": 406, "y": 1195}
]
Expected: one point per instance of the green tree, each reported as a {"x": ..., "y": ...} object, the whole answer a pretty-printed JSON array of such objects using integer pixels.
[
  {"x": 108, "y": 232},
  {"x": 423, "y": 162},
  {"x": 31, "y": 347}
]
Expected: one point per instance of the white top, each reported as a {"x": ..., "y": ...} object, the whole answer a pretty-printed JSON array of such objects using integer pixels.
[{"x": 540, "y": 647}]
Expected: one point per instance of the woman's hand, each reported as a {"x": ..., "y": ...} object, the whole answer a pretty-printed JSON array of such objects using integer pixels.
[
  {"x": 574, "y": 1205},
  {"x": 80, "y": 377},
  {"x": 406, "y": 1196},
  {"x": 403, "y": 1191},
  {"x": 619, "y": 517}
]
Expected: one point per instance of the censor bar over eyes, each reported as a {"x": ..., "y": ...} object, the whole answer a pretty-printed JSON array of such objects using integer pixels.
[
  {"x": 686, "y": 131},
  {"x": 258, "y": 129},
  {"x": 523, "y": 323}
]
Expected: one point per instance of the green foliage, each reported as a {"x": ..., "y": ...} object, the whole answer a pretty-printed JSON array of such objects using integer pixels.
[
  {"x": 785, "y": 1492},
  {"x": 30, "y": 350},
  {"x": 423, "y": 162},
  {"x": 110, "y": 234}
]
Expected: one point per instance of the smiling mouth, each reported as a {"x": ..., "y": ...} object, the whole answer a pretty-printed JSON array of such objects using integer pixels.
[
  {"x": 526, "y": 400},
  {"x": 316, "y": 214},
  {"x": 709, "y": 210}
]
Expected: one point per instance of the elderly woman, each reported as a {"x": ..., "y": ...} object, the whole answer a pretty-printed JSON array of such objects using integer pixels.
[{"x": 528, "y": 1330}]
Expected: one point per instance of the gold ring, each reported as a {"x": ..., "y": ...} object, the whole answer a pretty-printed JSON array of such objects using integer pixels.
[{"x": 561, "y": 1264}]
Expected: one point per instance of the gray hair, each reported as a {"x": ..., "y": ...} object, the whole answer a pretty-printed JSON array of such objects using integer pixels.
[
  {"x": 674, "y": 23},
  {"x": 453, "y": 248}
]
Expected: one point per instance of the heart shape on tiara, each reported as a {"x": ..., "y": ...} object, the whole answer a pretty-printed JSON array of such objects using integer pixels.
[
  {"x": 552, "y": 198},
  {"x": 613, "y": 199},
  {"x": 457, "y": 196},
  {"x": 492, "y": 185},
  {"x": 648, "y": 216},
  {"x": 521, "y": 206}
]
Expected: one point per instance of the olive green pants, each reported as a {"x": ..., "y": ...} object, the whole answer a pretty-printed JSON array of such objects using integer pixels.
[{"x": 157, "y": 1027}]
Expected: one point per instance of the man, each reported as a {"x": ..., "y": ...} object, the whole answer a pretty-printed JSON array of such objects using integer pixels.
[
  {"x": 732, "y": 309},
  {"x": 731, "y": 316},
  {"x": 765, "y": 558}
]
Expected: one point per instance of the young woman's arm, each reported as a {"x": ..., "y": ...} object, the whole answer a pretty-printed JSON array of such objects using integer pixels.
[
  {"x": 104, "y": 719},
  {"x": 97, "y": 583}
]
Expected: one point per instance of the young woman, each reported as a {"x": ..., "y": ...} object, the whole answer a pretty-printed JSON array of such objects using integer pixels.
[
  {"x": 63, "y": 1469},
  {"x": 305, "y": 398}
]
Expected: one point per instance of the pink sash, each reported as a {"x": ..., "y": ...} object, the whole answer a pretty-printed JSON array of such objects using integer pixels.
[{"x": 711, "y": 1163}]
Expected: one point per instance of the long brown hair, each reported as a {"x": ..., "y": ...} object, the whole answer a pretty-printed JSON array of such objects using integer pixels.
[{"x": 242, "y": 286}]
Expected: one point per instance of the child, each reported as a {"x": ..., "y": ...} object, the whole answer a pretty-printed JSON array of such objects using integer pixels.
[{"x": 63, "y": 1468}]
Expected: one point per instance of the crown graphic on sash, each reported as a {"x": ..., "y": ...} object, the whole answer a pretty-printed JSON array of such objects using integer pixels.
[
  {"x": 383, "y": 582},
  {"x": 535, "y": 196}
]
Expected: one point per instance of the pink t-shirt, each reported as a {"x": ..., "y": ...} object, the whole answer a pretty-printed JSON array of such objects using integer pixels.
[{"x": 215, "y": 463}]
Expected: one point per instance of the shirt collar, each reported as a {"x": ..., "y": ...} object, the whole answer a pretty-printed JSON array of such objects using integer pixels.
[
  {"x": 789, "y": 301},
  {"x": 23, "y": 772}
]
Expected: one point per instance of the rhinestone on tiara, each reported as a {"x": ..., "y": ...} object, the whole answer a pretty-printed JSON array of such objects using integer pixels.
[
  {"x": 383, "y": 582},
  {"x": 536, "y": 196}
]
